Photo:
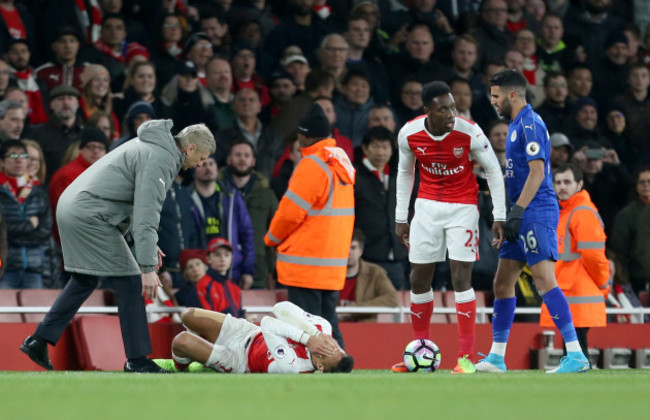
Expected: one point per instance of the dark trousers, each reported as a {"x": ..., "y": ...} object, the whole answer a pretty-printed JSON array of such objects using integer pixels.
[
  {"x": 130, "y": 305},
  {"x": 319, "y": 302}
]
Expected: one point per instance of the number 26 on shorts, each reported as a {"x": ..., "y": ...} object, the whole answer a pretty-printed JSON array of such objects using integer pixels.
[{"x": 530, "y": 241}]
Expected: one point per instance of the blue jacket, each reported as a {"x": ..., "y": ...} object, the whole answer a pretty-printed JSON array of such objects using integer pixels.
[
  {"x": 26, "y": 243},
  {"x": 237, "y": 227},
  {"x": 177, "y": 230}
]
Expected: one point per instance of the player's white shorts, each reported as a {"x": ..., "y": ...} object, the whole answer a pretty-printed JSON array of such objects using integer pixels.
[
  {"x": 230, "y": 348},
  {"x": 438, "y": 227}
]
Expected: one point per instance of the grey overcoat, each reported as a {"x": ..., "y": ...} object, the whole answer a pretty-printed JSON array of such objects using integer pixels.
[{"x": 122, "y": 192}]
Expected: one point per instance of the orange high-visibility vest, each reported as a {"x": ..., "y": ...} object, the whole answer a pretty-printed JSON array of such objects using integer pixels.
[
  {"x": 582, "y": 269},
  {"x": 312, "y": 227}
]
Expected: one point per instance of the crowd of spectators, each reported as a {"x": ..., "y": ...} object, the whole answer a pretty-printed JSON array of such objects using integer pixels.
[{"x": 249, "y": 69}]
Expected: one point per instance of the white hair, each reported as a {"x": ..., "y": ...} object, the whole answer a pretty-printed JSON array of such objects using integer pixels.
[{"x": 199, "y": 135}]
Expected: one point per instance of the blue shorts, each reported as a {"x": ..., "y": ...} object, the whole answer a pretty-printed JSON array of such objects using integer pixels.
[{"x": 537, "y": 242}]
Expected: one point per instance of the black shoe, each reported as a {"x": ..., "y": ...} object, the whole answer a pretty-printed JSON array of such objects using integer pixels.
[
  {"x": 148, "y": 366},
  {"x": 37, "y": 351}
]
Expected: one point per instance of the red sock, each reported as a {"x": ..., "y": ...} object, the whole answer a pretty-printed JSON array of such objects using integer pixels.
[
  {"x": 421, "y": 319},
  {"x": 466, "y": 315},
  {"x": 180, "y": 366}
]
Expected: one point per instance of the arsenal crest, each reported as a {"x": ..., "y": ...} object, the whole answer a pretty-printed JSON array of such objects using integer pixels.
[{"x": 458, "y": 152}]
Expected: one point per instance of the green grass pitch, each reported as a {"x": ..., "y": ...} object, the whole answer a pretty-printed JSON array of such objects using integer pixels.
[{"x": 364, "y": 394}]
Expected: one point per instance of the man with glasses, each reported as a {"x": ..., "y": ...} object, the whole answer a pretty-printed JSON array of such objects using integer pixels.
[
  {"x": 26, "y": 212},
  {"x": 198, "y": 50}
]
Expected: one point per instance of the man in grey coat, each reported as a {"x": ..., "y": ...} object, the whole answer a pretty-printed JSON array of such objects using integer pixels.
[{"x": 110, "y": 208}]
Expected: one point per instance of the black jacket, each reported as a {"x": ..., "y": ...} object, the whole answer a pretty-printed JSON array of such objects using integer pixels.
[
  {"x": 55, "y": 139},
  {"x": 375, "y": 216},
  {"x": 26, "y": 243}
]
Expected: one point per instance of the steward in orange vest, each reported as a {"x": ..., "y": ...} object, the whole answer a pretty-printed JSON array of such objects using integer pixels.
[
  {"x": 312, "y": 228},
  {"x": 582, "y": 269}
]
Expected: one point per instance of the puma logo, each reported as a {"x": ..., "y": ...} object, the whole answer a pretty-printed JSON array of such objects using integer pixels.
[
  {"x": 421, "y": 149},
  {"x": 467, "y": 314},
  {"x": 556, "y": 317},
  {"x": 529, "y": 126},
  {"x": 418, "y": 314}
]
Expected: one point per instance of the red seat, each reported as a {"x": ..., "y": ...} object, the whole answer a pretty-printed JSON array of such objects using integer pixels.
[
  {"x": 98, "y": 340},
  {"x": 46, "y": 297},
  {"x": 258, "y": 298},
  {"x": 8, "y": 298},
  {"x": 281, "y": 295}
]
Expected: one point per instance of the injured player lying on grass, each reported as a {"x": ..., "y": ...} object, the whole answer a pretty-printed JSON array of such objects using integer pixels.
[{"x": 293, "y": 342}]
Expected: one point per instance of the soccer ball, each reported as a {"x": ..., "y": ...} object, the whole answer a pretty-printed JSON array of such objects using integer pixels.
[{"x": 422, "y": 356}]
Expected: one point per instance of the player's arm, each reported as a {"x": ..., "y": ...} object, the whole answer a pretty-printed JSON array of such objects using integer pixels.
[
  {"x": 294, "y": 315},
  {"x": 277, "y": 331},
  {"x": 534, "y": 180},
  {"x": 483, "y": 153},
  {"x": 404, "y": 187}
]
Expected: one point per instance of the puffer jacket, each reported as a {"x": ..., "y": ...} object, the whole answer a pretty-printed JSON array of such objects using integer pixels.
[{"x": 26, "y": 243}]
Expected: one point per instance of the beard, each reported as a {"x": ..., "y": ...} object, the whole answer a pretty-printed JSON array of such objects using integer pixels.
[
  {"x": 240, "y": 173},
  {"x": 506, "y": 109}
]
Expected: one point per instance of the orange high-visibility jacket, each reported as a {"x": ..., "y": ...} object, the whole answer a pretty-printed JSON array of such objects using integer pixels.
[
  {"x": 582, "y": 270},
  {"x": 312, "y": 227}
]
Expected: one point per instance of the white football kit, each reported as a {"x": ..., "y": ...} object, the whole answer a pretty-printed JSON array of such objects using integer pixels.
[
  {"x": 446, "y": 212},
  {"x": 278, "y": 345}
]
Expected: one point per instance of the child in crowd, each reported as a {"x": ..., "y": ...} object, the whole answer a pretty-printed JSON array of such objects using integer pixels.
[
  {"x": 194, "y": 265},
  {"x": 215, "y": 290}
]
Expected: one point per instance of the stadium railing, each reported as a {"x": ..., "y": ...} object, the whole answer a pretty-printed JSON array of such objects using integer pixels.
[{"x": 400, "y": 313}]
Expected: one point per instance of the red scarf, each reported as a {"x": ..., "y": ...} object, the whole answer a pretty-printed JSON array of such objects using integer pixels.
[
  {"x": 14, "y": 23},
  {"x": 91, "y": 23},
  {"x": 383, "y": 178},
  {"x": 106, "y": 49},
  {"x": 530, "y": 67},
  {"x": 20, "y": 188},
  {"x": 28, "y": 84}
]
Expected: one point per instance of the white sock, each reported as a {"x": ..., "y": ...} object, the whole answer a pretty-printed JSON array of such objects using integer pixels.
[
  {"x": 422, "y": 297},
  {"x": 466, "y": 296},
  {"x": 181, "y": 360},
  {"x": 573, "y": 346},
  {"x": 499, "y": 349}
]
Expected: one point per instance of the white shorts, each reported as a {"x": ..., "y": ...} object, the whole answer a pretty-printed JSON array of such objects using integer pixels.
[
  {"x": 438, "y": 227},
  {"x": 231, "y": 347}
]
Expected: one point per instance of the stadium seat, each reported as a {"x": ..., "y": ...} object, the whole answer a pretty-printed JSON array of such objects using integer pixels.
[
  {"x": 259, "y": 298},
  {"x": 281, "y": 295},
  {"x": 98, "y": 340},
  {"x": 46, "y": 297},
  {"x": 9, "y": 298}
]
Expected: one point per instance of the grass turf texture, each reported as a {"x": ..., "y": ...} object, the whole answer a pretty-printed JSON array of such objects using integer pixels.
[{"x": 364, "y": 394}]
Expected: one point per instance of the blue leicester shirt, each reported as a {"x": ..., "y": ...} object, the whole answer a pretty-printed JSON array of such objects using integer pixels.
[{"x": 528, "y": 140}]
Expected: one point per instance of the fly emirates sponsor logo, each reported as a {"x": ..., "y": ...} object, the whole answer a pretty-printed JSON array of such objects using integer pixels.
[{"x": 442, "y": 169}]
